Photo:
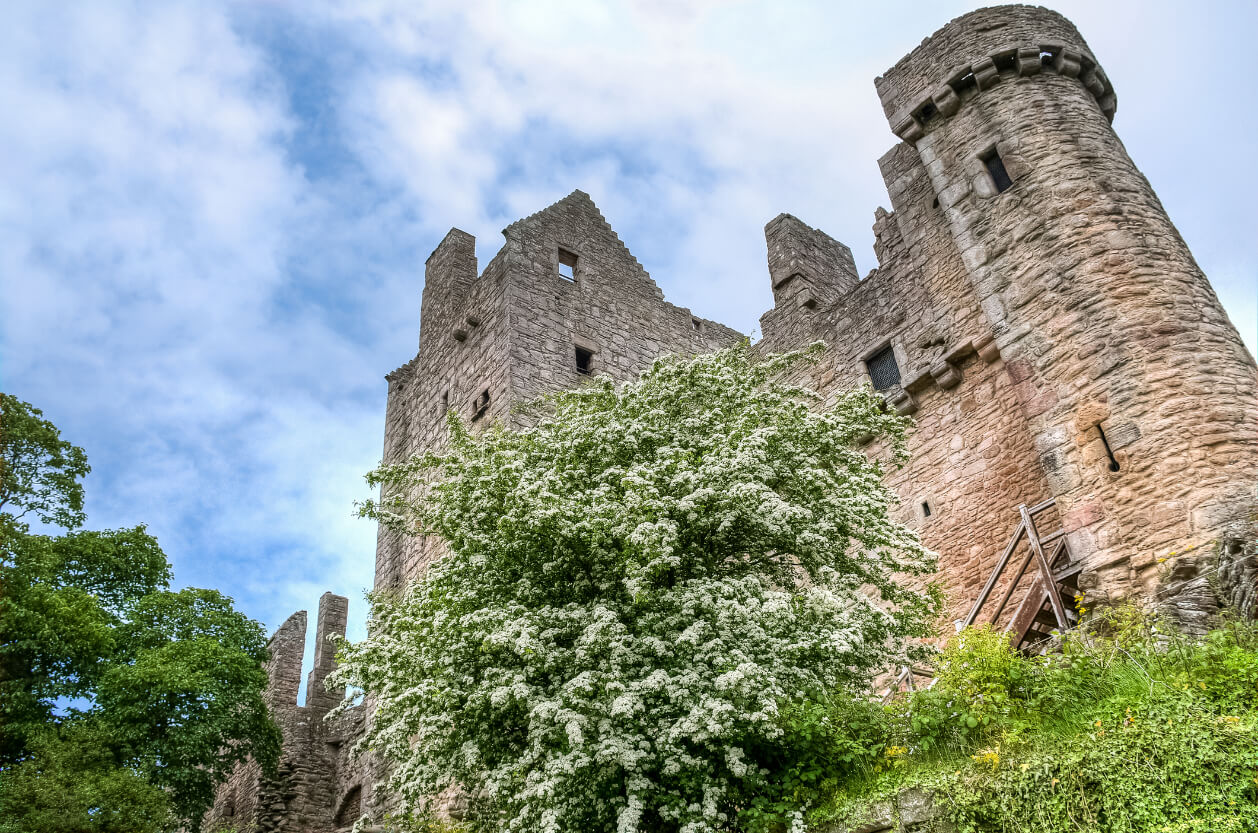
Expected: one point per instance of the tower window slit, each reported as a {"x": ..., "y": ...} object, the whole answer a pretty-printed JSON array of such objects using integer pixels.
[
  {"x": 1113, "y": 461},
  {"x": 883, "y": 370},
  {"x": 996, "y": 169},
  {"x": 925, "y": 509},
  {"x": 480, "y": 405}
]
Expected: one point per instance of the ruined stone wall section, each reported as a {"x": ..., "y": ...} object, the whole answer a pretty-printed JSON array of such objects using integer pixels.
[
  {"x": 612, "y": 309},
  {"x": 312, "y": 764},
  {"x": 807, "y": 267},
  {"x": 1106, "y": 322}
]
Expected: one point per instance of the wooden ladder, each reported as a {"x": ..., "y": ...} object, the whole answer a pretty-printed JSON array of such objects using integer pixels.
[{"x": 1042, "y": 609}]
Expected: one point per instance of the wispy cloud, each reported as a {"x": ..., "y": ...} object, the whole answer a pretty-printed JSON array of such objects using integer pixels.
[{"x": 213, "y": 218}]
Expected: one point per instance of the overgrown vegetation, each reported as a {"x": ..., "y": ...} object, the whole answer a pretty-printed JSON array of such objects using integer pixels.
[
  {"x": 1130, "y": 728},
  {"x": 122, "y": 702},
  {"x": 653, "y": 602}
]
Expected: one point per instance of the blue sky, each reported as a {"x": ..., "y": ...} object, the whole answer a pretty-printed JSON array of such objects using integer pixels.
[{"x": 214, "y": 217}]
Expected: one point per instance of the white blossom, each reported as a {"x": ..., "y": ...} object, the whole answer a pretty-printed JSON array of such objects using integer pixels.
[{"x": 638, "y": 587}]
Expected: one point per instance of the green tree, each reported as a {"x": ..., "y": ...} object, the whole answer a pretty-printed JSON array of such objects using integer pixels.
[
  {"x": 642, "y": 593},
  {"x": 115, "y": 691}
]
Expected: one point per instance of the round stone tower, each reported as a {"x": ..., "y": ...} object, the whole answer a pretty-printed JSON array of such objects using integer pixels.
[{"x": 1140, "y": 396}]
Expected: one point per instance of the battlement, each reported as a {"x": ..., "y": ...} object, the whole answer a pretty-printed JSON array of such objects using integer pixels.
[{"x": 976, "y": 52}]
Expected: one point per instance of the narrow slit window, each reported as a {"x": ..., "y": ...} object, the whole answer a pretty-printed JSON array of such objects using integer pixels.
[
  {"x": 567, "y": 265},
  {"x": 480, "y": 405},
  {"x": 1113, "y": 461},
  {"x": 585, "y": 361},
  {"x": 445, "y": 402},
  {"x": 925, "y": 509},
  {"x": 996, "y": 170},
  {"x": 883, "y": 370}
]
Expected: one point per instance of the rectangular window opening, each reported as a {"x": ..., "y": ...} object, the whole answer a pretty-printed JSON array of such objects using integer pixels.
[
  {"x": 445, "y": 402},
  {"x": 567, "y": 265},
  {"x": 996, "y": 169},
  {"x": 696, "y": 323},
  {"x": 585, "y": 361},
  {"x": 926, "y": 509},
  {"x": 883, "y": 370},
  {"x": 480, "y": 405}
]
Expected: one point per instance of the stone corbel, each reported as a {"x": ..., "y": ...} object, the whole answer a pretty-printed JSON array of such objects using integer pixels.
[
  {"x": 1094, "y": 80},
  {"x": 903, "y": 402},
  {"x": 946, "y": 374},
  {"x": 908, "y": 129},
  {"x": 947, "y": 102},
  {"x": 987, "y": 349},
  {"x": 1068, "y": 63},
  {"x": 985, "y": 73},
  {"x": 1029, "y": 60}
]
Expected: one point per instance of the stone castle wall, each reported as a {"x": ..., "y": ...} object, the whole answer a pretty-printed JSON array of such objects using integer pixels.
[
  {"x": 316, "y": 788},
  {"x": 1052, "y": 334}
]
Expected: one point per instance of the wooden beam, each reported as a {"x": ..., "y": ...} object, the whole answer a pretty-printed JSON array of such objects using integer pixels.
[
  {"x": 1046, "y": 570},
  {"x": 995, "y": 576}
]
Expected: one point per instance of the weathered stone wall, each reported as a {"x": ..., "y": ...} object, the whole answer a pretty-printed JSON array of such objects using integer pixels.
[
  {"x": 1024, "y": 322},
  {"x": 1109, "y": 331},
  {"x": 314, "y": 776},
  {"x": 513, "y": 332}
]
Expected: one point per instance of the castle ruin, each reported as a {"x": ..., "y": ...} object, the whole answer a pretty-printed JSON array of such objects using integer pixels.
[{"x": 1034, "y": 310}]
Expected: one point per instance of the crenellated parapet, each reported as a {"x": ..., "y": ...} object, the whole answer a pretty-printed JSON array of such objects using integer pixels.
[{"x": 978, "y": 52}]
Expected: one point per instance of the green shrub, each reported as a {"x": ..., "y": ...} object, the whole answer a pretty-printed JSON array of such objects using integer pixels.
[{"x": 1130, "y": 728}]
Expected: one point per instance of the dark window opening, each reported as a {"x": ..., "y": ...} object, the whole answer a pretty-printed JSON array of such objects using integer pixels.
[
  {"x": 481, "y": 405},
  {"x": 935, "y": 203},
  {"x": 696, "y": 323},
  {"x": 445, "y": 401},
  {"x": 925, "y": 509},
  {"x": 927, "y": 112},
  {"x": 1113, "y": 461},
  {"x": 567, "y": 265},
  {"x": 996, "y": 169},
  {"x": 883, "y": 370},
  {"x": 585, "y": 361},
  {"x": 351, "y": 808}
]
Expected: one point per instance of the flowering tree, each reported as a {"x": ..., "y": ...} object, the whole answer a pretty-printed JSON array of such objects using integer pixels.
[{"x": 638, "y": 590}]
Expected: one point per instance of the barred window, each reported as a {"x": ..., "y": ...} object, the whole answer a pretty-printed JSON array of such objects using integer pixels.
[{"x": 883, "y": 370}]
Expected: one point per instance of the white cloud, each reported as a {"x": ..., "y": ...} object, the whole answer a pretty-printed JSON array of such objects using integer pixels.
[{"x": 213, "y": 218}]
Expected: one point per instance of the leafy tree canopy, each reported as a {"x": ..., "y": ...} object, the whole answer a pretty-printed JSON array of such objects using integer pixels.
[
  {"x": 39, "y": 471},
  {"x": 641, "y": 592},
  {"x": 117, "y": 694}
]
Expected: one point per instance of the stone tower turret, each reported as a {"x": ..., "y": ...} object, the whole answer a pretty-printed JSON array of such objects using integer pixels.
[{"x": 1140, "y": 397}]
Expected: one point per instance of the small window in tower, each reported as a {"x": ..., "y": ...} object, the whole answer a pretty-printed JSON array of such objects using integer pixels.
[
  {"x": 883, "y": 371},
  {"x": 480, "y": 405},
  {"x": 567, "y": 265},
  {"x": 445, "y": 402},
  {"x": 696, "y": 323},
  {"x": 585, "y": 361},
  {"x": 926, "y": 509},
  {"x": 996, "y": 169}
]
